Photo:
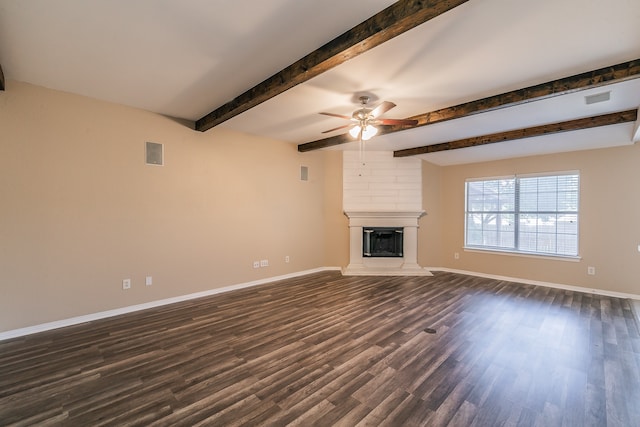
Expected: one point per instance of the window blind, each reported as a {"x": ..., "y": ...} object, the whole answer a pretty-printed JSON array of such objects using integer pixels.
[{"x": 532, "y": 214}]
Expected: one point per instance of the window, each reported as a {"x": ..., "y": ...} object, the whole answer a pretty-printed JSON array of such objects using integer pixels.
[{"x": 536, "y": 214}]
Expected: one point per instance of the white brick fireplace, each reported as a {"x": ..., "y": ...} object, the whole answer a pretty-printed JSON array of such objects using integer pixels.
[{"x": 382, "y": 191}]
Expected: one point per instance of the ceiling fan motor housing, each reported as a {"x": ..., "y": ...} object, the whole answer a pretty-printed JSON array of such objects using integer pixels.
[{"x": 362, "y": 114}]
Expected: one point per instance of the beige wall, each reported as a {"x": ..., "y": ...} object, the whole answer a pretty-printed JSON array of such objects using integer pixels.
[
  {"x": 609, "y": 219},
  {"x": 430, "y": 233},
  {"x": 336, "y": 223},
  {"x": 80, "y": 211}
]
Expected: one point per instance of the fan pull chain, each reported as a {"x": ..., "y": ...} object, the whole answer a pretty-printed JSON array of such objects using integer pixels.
[{"x": 361, "y": 154}]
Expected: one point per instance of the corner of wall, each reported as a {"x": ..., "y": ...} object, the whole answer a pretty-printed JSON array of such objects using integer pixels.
[
  {"x": 336, "y": 224},
  {"x": 430, "y": 236}
]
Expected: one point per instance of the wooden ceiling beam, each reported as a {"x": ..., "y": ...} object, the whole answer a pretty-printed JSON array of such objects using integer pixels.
[
  {"x": 588, "y": 80},
  {"x": 385, "y": 25},
  {"x": 636, "y": 129},
  {"x": 571, "y": 125}
]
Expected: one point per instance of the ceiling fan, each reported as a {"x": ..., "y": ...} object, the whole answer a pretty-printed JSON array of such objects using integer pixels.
[{"x": 364, "y": 120}]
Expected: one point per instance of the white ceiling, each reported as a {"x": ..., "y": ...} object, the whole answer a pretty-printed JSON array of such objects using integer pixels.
[{"x": 185, "y": 58}]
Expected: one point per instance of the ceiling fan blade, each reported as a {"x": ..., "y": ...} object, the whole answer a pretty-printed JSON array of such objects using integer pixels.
[
  {"x": 382, "y": 108},
  {"x": 337, "y": 115},
  {"x": 338, "y": 128},
  {"x": 405, "y": 122}
]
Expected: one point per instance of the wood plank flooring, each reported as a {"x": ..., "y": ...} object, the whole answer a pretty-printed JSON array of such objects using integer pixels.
[{"x": 448, "y": 350}]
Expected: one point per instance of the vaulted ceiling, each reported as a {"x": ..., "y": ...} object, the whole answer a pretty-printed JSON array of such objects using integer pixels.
[{"x": 189, "y": 58}]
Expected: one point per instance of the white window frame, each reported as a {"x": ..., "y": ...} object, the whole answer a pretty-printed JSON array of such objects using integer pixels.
[{"x": 516, "y": 247}]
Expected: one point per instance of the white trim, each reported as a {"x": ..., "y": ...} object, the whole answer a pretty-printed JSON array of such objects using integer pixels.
[
  {"x": 524, "y": 175},
  {"x": 570, "y": 258},
  {"x": 490, "y": 178},
  {"x": 132, "y": 308},
  {"x": 539, "y": 283},
  {"x": 549, "y": 173}
]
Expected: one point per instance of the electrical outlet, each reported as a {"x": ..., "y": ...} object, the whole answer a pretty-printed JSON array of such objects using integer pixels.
[
  {"x": 126, "y": 284},
  {"x": 264, "y": 263},
  {"x": 286, "y": 258},
  {"x": 148, "y": 281},
  {"x": 456, "y": 255},
  {"x": 591, "y": 271},
  {"x": 256, "y": 264}
]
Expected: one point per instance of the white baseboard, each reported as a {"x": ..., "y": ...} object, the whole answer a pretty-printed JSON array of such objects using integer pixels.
[
  {"x": 635, "y": 299},
  {"x": 132, "y": 308},
  {"x": 539, "y": 283}
]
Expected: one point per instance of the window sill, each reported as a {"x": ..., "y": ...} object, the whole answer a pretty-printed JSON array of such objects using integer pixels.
[{"x": 525, "y": 254}]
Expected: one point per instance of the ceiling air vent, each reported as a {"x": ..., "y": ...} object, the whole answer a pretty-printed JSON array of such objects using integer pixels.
[{"x": 598, "y": 97}]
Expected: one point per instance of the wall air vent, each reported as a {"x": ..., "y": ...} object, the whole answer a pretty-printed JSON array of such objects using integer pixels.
[
  {"x": 598, "y": 97},
  {"x": 154, "y": 154}
]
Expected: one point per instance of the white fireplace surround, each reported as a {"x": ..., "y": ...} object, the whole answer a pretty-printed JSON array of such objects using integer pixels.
[{"x": 407, "y": 265}]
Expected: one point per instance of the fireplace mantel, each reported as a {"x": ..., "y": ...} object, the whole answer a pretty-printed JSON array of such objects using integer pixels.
[
  {"x": 364, "y": 218},
  {"x": 405, "y": 266}
]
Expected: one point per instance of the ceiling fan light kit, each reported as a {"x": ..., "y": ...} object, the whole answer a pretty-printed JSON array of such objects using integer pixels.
[{"x": 368, "y": 132}]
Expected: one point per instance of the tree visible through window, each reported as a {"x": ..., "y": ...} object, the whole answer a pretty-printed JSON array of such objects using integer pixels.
[{"x": 531, "y": 214}]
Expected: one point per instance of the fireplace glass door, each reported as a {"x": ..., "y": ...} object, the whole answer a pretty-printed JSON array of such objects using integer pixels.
[{"x": 382, "y": 241}]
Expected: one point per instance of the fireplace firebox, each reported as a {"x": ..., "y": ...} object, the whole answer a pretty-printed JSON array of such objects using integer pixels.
[{"x": 382, "y": 242}]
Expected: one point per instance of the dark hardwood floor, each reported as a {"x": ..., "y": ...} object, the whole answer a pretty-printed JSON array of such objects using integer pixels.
[{"x": 330, "y": 350}]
